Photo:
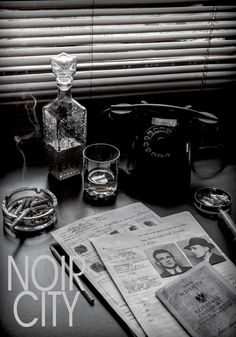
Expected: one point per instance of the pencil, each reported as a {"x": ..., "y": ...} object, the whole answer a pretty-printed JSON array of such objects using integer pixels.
[{"x": 76, "y": 278}]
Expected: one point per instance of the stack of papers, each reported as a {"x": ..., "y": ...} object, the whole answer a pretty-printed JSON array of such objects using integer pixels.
[{"x": 120, "y": 250}]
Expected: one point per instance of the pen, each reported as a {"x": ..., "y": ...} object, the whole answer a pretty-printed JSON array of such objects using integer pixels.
[{"x": 76, "y": 279}]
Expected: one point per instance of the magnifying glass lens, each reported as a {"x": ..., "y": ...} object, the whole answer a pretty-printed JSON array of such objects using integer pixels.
[{"x": 210, "y": 200}]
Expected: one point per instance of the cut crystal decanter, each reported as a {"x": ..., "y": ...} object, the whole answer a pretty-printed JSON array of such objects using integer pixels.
[{"x": 64, "y": 123}]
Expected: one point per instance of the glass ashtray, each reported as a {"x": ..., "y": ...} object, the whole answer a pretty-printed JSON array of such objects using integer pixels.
[{"x": 29, "y": 209}]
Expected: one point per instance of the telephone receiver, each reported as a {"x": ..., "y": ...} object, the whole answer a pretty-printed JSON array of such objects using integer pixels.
[
  {"x": 125, "y": 109},
  {"x": 161, "y": 141}
]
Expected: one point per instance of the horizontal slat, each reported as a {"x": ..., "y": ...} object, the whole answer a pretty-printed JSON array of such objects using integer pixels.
[
  {"x": 86, "y": 3},
  {"x": 31, "y": 60},
  {"x": 138, "y": 91},
  {"x": 113, "y": 20},
  {"x": 98, "y": 48},
  {"x": 100, "y": 74},
  {"x": 111, "y": 38},
  {"x": 113, "y": 29},
  {"x": 107, "y": 11},
  {"x": 102, "y": 96},
  {"x": 125, "y": 63},
  {"x": 116, "y": 81},
  {"x": 122, "y": 90},
  {"x": 48, "y": 77}
]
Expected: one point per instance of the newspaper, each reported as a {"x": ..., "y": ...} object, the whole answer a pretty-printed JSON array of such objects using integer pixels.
[
  {"x": 130, "y": 260},
  {"x": 202, "y": 301},
  {"x": 74, "y": 239}
]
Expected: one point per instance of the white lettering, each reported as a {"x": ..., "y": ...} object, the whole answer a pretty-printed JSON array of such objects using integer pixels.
[
  {"x": 71, "y": 308},
  {"x": 81, "y": 267},
  {"x": 43, "y": 309},
  {"x": 53, "y": 283},
  {"x": 26, "y": 325},
  {"x": 25, "y": 282},
  {"x": 54, "y": 306}
]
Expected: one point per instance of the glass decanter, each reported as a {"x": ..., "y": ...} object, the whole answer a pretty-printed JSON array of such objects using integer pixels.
[{"x": 64, "y": 123}]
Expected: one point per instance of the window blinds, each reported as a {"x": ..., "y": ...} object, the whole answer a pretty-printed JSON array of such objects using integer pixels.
[{"x": 123, "y": 47}]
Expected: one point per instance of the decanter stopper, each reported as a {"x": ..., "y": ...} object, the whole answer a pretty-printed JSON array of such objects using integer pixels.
[{"x": 64, "y": 67}]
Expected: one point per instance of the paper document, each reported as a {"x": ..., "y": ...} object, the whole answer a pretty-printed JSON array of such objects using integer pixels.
[
  {"x": 141, "y": 262},
  {"x": 202, "y": 301},
  {"x": 74, "y": 239}
]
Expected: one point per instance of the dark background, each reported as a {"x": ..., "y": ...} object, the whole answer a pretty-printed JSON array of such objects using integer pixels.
[
  {"x": 99, "y": 320},
  {"x": 14, "y": 122}
]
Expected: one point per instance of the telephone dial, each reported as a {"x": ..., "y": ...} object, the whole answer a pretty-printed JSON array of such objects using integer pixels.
[{"x": 160, "y": 148}]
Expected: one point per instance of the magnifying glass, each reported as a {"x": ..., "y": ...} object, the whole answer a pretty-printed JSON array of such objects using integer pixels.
[{"x": 215, "y": 202}]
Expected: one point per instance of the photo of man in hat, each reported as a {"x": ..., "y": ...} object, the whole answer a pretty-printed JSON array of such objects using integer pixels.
[{"x": 202, "y": 250}]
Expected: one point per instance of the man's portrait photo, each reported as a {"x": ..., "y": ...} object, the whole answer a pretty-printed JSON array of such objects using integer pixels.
[
  {"x": 169, "y": 261},
  {"x": 201, "y": 249}
]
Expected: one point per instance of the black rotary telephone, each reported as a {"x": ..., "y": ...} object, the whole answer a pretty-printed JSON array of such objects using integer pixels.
[{"x": 162, "y": 136}]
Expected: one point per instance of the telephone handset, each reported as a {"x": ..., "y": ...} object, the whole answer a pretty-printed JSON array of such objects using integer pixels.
[{"x": 159, "y": 158}]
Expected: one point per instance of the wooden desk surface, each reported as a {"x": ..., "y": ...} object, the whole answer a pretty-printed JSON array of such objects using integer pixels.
[{"x": 99, "y": 320}]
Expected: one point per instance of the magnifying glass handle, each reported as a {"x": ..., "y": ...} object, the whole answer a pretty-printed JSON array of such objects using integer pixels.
[{"x": 228, "y": 222}]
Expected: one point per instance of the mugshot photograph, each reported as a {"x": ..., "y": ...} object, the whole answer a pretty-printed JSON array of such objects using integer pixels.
[
  {"x": 168, "y": 263},
  {"x": 203, "y": 250}
]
